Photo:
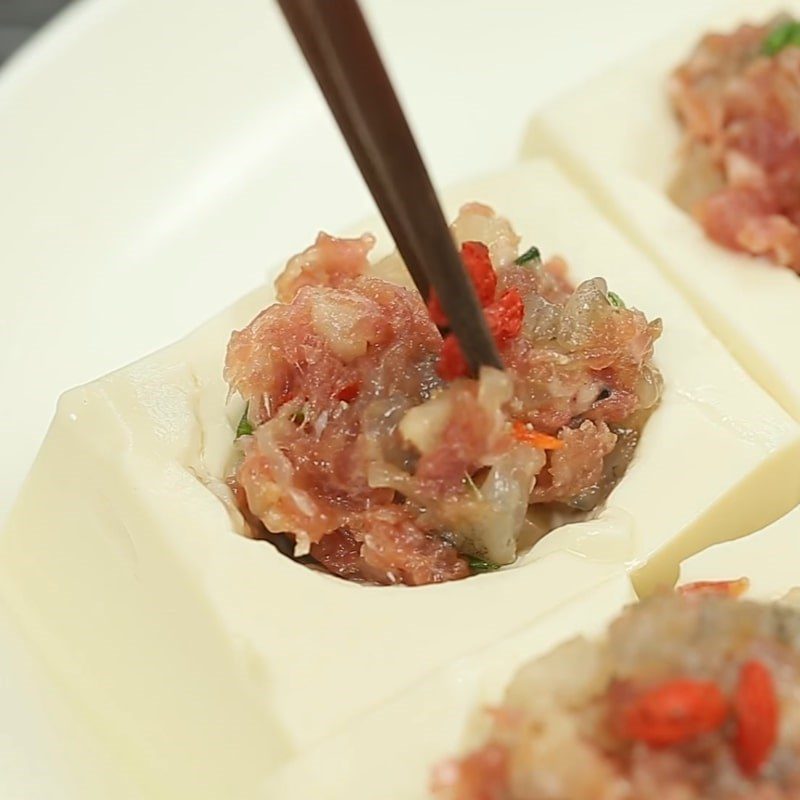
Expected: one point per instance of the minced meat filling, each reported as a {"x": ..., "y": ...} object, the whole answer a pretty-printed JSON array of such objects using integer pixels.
[
  {"x": 369, "y": 446},
  {"x": 691, "y": 696},
  {"x": 738, "y": 97}
]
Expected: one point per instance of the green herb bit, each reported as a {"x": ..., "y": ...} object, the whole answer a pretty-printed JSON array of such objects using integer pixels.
[
  {"x": 616, "y": 300},
  {"x": 531, "y": 254},
  {"x": 245, "y": 427},
  {"x": 479, "y": 565},
  {"x": 785, "y": 35}
]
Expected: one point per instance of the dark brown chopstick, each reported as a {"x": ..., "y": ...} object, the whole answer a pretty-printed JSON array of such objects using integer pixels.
[{"x": 338, "y": 47}]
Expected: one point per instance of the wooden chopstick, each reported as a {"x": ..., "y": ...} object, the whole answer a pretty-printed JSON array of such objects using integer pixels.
[{"x": 339, "y": 48}]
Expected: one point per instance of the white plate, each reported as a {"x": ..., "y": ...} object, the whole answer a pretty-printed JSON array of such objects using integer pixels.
[{"x": 156, "y": 157}]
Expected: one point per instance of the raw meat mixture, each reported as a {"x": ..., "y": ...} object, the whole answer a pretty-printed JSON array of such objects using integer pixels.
[
  {"x": 738, "y": 97},
  {"x": 368, "y": 444}
]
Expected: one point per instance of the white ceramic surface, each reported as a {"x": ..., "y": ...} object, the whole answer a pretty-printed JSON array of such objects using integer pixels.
[{"x": 157, "y": 157}]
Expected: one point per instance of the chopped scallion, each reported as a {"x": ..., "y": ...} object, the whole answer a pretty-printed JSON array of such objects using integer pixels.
[
  {"x": 785, "y": 35},
  {"x": 244, "y": 428},
  {"x": 479, "y": 565},
  {"x": 616, "y": 300},
  {"x": 531, "y": 254}
]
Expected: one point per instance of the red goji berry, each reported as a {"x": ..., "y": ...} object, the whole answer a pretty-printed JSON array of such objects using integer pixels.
[
  {"x": 452, "y": 363},
  {"x": 732, "y": 588},
  {"x": 674, "y": 712},
  {"x": 478, "y": 261},
  {"x": 756, "y": 709},
  {"x": 504, "y": 316},
  {"x": 437, "y": 312},
  {"x": 349, "y": 392},
  {"x": 478, "y": 264}
]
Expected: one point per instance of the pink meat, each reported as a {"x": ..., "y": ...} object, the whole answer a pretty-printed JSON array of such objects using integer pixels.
[
  {"x": 328, "y": 262},
  {"x": 741, "y": 112},
  {"x": 373, "y": 464}
]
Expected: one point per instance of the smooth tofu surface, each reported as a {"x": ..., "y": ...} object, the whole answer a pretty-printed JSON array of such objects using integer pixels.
[
  {"x": 769, "y": 559},
  {"x": 211, "y": 658},
  {"x": 390, "y": 751},
  {"x": 618, "y": 136}
]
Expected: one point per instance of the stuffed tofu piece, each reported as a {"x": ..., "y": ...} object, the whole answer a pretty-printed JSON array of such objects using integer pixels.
[
  {"x": 397, "y": 750},
  {"x": 694, "y": 152},
  {"x": 181, "y": 557},
  {"x": 690, "y": 694},
  {"x": 369, "y": 451}
]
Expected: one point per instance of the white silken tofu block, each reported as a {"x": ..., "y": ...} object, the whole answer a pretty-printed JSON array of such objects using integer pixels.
[
  {"x": 769, "y": 559},
  {"x": 389, "y": 752},
  {"x": 211, "y": 658},
  {"x": 617, "y": 134}
]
